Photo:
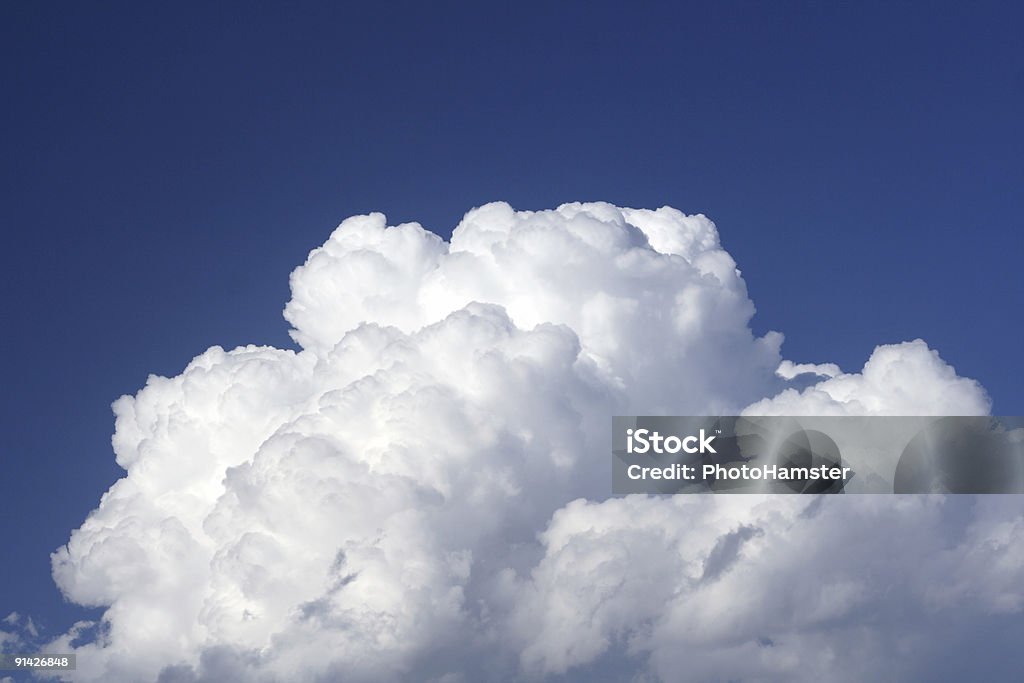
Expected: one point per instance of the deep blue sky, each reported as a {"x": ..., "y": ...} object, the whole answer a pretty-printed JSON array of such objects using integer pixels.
[{"x": 165, "y": 166}]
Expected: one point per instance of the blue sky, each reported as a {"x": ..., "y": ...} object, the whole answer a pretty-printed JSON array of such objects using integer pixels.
[{"x": 165, "y": 167}]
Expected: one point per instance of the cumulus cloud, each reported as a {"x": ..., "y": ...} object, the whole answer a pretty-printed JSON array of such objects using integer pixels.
[
  {"x": 658, "y": 305},
  {"x": 898, "y": 379},
  {"x": 847, "y": 589},
  {"x": 421, "y": 492}
]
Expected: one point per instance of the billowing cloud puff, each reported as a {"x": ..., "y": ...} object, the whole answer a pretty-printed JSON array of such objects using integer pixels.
[
  {"x": 771, "y": 589},
  {"x": 659, "y": 307},
  {"x": 898, "y": 379},
  {"x": 416, "y": 493}
]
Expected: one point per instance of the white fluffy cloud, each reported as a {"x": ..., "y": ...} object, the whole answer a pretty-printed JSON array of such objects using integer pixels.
[
  {"x": 898, "y": 379},
  {"x": 658, "y": 306},
  {"x": 769, "y": 589},
  {"x": 416, "y": 493}
]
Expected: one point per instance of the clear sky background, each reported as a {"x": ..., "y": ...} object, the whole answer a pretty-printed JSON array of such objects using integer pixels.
[{"x": 165, "y": 166}]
